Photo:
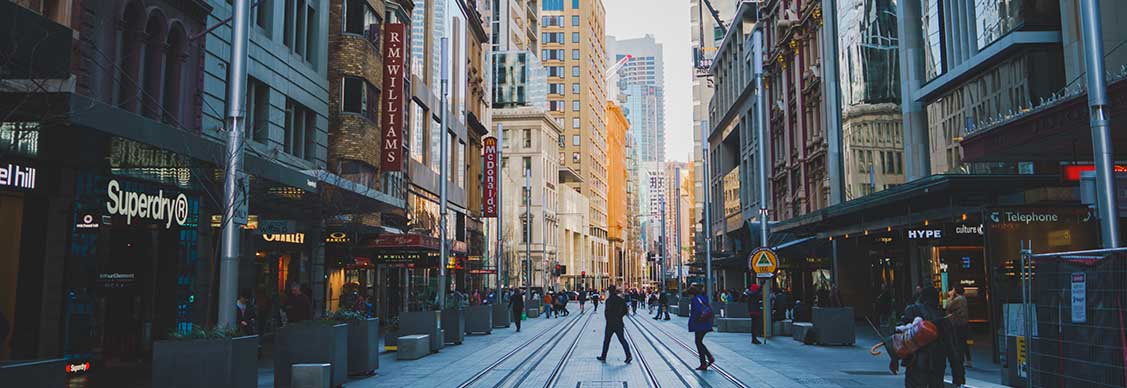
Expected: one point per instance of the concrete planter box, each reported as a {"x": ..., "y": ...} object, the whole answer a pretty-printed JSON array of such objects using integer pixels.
[
  {"x": 48, "y": 373},
  {"x": 479, "y": 319},
  {"x": 454, "y": 325},
  {"x": 363, "y": 346},
  {"x": 736, "y": 310},
  {"x": 502, "y": 316},
  {"x": 835, "y": 326},
  {"x": 733, "y": 325},
  {"x": 532, "y": 312},
  {"x": 683, "y": 307},
  {"x": 423, "y": 322},
  {"x": 310, "y": 343},
  {"x": 230, "y": 362}
]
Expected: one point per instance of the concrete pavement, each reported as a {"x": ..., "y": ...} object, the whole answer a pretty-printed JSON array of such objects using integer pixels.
[{"x": 561, "y": 352}]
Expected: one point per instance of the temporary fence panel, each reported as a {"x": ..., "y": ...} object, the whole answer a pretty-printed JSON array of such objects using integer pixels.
[{"x": 1076, "y": 300}]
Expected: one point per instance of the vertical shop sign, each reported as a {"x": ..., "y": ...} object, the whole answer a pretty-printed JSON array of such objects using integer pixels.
[
  {"x": 489, "y": 199},
  {"x": 392, "y": 120},
  {"x": 1079, "y": 297}
]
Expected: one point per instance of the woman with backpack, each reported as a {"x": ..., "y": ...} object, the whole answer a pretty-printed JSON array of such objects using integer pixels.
[{"x": 700, "y": 323}]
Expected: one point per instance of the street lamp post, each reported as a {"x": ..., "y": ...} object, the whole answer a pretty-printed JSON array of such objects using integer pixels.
[
  {"x": 444, "y": 175},
  {"x": 528, "y": 235},
  {"x": 236, "y": 112},
  {"x": 677, "y": 224},
  {"x": 500, "y": 212},
  {"x": 707, "y": 212},
  {"x": 1100, "y": 123},
  {"x": 761, "y": 167}
]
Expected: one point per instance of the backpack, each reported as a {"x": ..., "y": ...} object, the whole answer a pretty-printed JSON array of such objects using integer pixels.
[
  {"x": 911, "y": 337},
  {"x": 706, "y": 313}
]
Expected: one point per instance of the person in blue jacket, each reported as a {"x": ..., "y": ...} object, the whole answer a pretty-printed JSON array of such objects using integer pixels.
[{"x": 700, "y": 325}]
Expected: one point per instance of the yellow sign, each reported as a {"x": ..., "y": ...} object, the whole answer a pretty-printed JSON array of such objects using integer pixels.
[
  {"x": 763, "y": 260},
  {"x": 1022, "y": 367}
]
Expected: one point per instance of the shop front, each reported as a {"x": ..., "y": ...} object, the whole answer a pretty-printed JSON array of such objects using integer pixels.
[{"x": 406, "y": 272}]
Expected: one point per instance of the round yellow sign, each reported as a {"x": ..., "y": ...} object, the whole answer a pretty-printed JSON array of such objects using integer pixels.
[{"x": 763, "y": 260}]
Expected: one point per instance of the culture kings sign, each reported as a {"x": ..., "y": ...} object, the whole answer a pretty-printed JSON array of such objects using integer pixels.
[
  {"x": 157, "y": 207},
  {"x": 489, "y": 197},
  {"x": 392, "y": 118}
]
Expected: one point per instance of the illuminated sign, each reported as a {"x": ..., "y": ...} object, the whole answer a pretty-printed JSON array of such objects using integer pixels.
[
  {"x": 392, "y": 120},
  {"x": 1072, "y": 172},
  {"x": 489, "y": 195},
  {"x": 141, "y": 205},
  {"x": 88, "y": 222},
  {"x": 17, "y": 176},
  {"x": 969, "y": 229},
  {"x": 292, "y": 238},
  {"x": 75, "y": 368},
  {"x": 336, "y": 237},
  {"x": 918, "y": 234}
]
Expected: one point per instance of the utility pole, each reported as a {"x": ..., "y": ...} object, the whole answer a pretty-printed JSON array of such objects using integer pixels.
[
  {"x": 234, "y": 195},
  {"x": 544, "y": 234},
  {"x": 443, "y": 176},
  {"x": 761, "y": 166},
  {"x": 707, "y": 212},
  {"x": 677, "y": 223},
  {"x": 528, "y": 235},
  {"x": 1100, "y": 122},
  {"x": 663, "y": 253}
]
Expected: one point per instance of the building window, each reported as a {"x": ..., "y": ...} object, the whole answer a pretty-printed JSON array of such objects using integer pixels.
[
  {"x": 575, "y": 37},
  {"x": 258, "y": 111},
  {"x": 574, "y": 4},
  {"x": 575, "y": 123},
  {"x": 575, "y": 88},
  {"x": 575, "y": 54},
  {"x": 301, "y": 29},
  {"x": 526, "y": 166},
  {"x": 553, "y": 5},
  {"x": 556, "y": 106},
  {"x": 299, "y": 130},
  {"x": 461, "y": 160},
  {"x": 360, "y": 97},
  {"x": 575, "y": 140},
  {"x": 262, "y": 13},
  {"x": 575, "y": 20},
  {"x": 574, "y": 105},
  {"x": 357, "y": 171},
  {"x": 561, "y": 140},
  {"x": 360, "y": 19},
  {"x": 575, "y": 71},
  {"x": 527, "y": 137},
  {"x": 417, "y": 139}
]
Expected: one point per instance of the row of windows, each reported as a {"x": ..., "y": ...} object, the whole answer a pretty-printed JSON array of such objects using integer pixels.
[
  {"x": 558, "y": 21},
  {"x": 558, "y": 5}
]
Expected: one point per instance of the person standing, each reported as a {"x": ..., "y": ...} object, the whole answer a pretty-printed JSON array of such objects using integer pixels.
[
  {"x": 516, "y": 304},
  {"x": 960, "y": 323},
  {"x": 595, "y": 299},
  {"x": 662, "y": 304},
  {"x": 700, "y": 323},
  {"x": 246, "y": 316},
  {"x": 927, "y": 365},
  {"x": 614, "y": 312},
  {"x": 582, "y": 300},
  {"x": 755, "y": 310},
  {"x": 548, "y": 306},
  {"x": 298, "y": 307},
  {"x": 475, "y": 299}
]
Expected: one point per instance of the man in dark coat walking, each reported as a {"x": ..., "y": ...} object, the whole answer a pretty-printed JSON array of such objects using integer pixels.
[
  {"x": 615, "y": 311},
  {"x": 516, "y": 303}
]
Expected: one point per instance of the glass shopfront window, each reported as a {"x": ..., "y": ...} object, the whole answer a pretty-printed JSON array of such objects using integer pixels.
[{"x": 996, "y": 18}]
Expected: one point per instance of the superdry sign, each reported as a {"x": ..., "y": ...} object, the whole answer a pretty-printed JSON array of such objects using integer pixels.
[
  {"x": 489, "y": 149},
  {"x": 392, "y": 119}
]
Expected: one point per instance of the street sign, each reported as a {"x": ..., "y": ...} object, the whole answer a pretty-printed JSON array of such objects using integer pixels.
[{"x": 763, "y": 261}]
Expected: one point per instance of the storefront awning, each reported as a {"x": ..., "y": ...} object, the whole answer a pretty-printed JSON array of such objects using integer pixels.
[
  {"x": 351, "y": 197},
  {"x": 404, "y": 241}
]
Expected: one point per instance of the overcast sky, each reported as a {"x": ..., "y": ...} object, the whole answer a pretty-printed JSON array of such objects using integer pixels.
[{"x": 668, "y": 21}]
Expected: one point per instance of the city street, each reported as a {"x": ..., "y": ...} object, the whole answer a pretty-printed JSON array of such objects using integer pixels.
[{"x": 560, "y": 352}]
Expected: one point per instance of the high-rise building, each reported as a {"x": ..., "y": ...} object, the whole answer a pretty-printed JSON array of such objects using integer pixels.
[
  {"x": 642, "y": 81},
  {"x": 617, "y": 209},
  {"x": 573, "y": 51},
  {"x": 706, "y": 35}
]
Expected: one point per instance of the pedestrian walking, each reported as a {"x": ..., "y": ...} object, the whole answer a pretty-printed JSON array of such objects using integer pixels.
[
  {"x": 927, "y": 365},
  {"x": 595, "y": 299},
  {"x": 516, "y": 304},
  {"x": 246, "y": 315},
  {"x": 475, "y": 299},
  {"x": 700, "y": 323},
  {"x": 614, "y": 312}
]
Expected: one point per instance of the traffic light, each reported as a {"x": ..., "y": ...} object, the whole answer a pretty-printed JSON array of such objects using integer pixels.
[
  {"x": 557, "y": 270},
  {"x": 583, "y": 274},
  {"x": 563, "y": 269}
]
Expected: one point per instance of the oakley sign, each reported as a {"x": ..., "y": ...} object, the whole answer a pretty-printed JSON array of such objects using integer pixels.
[{"x": 141, "y": 205}]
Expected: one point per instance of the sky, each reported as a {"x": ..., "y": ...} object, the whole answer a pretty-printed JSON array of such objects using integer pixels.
[{"x": 668, "y": 21}]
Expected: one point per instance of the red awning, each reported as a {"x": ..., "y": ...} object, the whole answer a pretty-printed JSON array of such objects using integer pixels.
[{"x": 404, "y": 241}]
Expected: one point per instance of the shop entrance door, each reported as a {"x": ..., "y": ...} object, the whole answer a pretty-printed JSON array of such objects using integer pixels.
[
  {"x": 389, "y": 292},
  {"x": 137, "y": 277}
]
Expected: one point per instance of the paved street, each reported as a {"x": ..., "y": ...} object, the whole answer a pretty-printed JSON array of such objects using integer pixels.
[{"x": 561, "y": 352}]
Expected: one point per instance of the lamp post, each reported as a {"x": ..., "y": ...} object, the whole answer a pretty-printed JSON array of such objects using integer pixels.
[
  {"x": 444, "y": 175},
  {"x": 233, "y": 180}
]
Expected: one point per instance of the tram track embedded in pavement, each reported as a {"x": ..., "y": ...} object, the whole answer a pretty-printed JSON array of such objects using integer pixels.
[
  {"x": 651, "y": 378},
  {"x": 654, "y": 342},
  {"x": 731, "y": 378},
  {"x": 554, "y": 339},
  {"x": 557, "y": 372}
]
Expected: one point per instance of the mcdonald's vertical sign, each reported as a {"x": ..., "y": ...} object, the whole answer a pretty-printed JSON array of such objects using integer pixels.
[
  {"x": 392, "y": 118},
  {"x": 489, "y": 200}
]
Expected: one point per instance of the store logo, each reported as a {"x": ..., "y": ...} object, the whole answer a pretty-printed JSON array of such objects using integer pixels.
[
  {"x": 140, "y": 205},
  {"x": 292, "y": 238},
  {"x": 924, "y": 234},
  {"x": 337, "y": 237},
  {"x": 88, "y": 222},
  {"x": 20, "y": 177},
  {"x": 968, "y": 229},
  {"x": 1023, "y": 217}
]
